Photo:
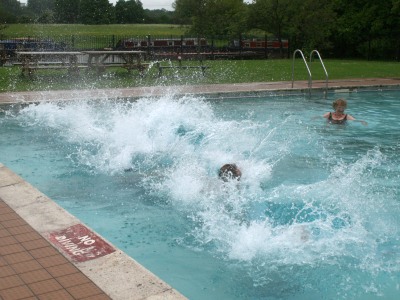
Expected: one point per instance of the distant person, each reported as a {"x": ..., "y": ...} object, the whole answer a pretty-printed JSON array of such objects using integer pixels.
[
  {"x": 229, "y": 172},
  {"x": 338, "y": 116}
]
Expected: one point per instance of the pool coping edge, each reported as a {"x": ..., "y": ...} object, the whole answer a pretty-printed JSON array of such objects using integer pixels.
[{"x": 208, "y": 90}]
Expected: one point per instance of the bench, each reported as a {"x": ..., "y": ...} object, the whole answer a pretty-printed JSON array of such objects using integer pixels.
[
  {"x": 30, "y": 61},
  {"x": 45, "y": 63},
  {"x": 127, "y": 66},
  {"x": 30, "y": 68},
  {"x": 60, "y": 67},
  {"x": 101, "y": 67}
]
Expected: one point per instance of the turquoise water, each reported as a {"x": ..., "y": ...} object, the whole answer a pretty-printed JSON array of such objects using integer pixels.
[{"x": 315, "y": 215}]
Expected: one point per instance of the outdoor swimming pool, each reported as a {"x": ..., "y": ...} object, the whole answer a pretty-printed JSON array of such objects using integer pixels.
[{"x": 314, "y": 216}]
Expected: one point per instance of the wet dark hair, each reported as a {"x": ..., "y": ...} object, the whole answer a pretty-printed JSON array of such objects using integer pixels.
[{"x": 228, "y": 172}]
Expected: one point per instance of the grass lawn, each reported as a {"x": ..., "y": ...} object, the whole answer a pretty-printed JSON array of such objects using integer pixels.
[
  {"x": 220, "y": 71},
  {"x": 81, "y": 36},
  {"x": 56, "y": 30}
]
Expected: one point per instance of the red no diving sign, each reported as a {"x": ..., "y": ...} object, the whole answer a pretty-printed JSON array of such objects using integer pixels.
[{"x": 80, "y": 243}]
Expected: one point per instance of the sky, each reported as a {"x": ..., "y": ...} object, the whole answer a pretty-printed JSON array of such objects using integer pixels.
[
  {"x": 147, "y": 4},
  {"x": 153, "y": 4}
]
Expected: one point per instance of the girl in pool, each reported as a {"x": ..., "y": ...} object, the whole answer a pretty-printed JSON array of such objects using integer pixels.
[{"x": 339, "y": 117}]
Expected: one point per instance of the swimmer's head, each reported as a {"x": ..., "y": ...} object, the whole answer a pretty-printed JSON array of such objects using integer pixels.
[
  {"x": 229, "y": 172},
  {"x": 339, "y": 102}
]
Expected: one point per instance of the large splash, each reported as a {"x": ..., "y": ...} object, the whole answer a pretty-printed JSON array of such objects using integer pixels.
[{"x": 298, "y": 206}]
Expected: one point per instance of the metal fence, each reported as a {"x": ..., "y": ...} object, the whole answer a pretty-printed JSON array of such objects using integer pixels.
[{"x": 158, "y": 47}]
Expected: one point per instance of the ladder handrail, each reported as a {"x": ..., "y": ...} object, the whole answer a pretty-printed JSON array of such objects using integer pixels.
[
  {"x": 308, "y": 69},
  {"x": 323, "y": 66}
]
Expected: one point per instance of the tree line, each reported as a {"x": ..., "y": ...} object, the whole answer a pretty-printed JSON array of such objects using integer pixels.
[
  {"x": 81, "y": 12},
  {"x": 340, "y": 28}
]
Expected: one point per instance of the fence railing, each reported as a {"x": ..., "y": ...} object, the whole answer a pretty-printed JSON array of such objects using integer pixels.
[{"x": 216, "y": 47}]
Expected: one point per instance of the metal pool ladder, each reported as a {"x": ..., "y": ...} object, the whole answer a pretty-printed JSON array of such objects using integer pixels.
[{"x": 309, "y": 71}]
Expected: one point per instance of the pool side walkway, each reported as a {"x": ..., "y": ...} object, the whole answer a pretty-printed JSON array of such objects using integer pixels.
[
  {"x": 46, "y": 253},
  {"x": 209, "y": 89}
]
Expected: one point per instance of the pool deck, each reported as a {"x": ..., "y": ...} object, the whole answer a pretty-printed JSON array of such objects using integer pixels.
[
  {"x": 209, "y": 89},
  {"x": 46, "y": 253}
]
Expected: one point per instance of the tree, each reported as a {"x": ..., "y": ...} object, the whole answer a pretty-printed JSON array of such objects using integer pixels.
[
  {"x": 66, "y": 11},
  {"x": 40, "y": 6},
  {"x": 96, "y": 12},
  {"x": 271, "y": 16},
  {"x": 395, "y": 24},
  {"x": 130, "y": 11},
  {"x": 9, "y": 11},
  {"x": 159, "y": 16},
  {"x": 367, "y": 28},
  {"x": 226, "y": 17},
  {"x": 136, "y": 11},
  {"x": 185, "y": 10},
  {"x": 311, "y": 24},
  {"x": 212, "y": 17},
  {"x": 308, "y": 23},
  {"x": 47, "y": 17},
  {"x": 121, "y": 12}
]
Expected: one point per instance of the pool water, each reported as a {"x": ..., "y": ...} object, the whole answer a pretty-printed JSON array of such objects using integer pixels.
[{"x": 315, "y": 215}]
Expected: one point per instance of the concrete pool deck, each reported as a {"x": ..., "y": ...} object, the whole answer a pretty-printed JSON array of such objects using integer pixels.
[
  {"x": 46, "y": 253},
  {"x": 209, "y": 89}
]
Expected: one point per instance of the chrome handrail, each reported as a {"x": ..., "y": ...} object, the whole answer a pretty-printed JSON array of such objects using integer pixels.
[
  {"x": 323, "y": 66},
  {"x": 308, "y": 69}
]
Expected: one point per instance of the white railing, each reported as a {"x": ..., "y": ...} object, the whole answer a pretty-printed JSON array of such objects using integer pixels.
[
  {"x": 323, "y": 66},
  {"x": 308, "y": 69}
]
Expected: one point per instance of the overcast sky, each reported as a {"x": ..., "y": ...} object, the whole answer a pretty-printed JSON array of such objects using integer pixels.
[
  {"x": 153, "y": 4},
  {"x": 149, "y": 4}
]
